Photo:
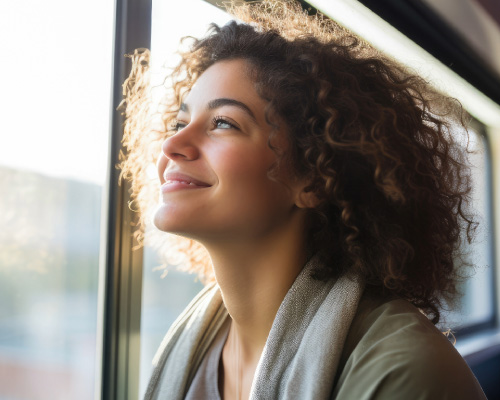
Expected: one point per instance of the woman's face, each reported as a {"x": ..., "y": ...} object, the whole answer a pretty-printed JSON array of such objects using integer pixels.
[{"x": 214, "y": 170}]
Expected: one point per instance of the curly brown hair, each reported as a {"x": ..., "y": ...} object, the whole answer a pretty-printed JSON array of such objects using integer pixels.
[{"x": 374, "y": 140}]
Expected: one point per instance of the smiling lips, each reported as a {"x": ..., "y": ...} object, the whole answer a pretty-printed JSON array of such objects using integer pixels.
[{"x": 176, "y": 181}]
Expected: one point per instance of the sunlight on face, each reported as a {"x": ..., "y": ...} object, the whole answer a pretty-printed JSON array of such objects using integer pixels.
[{"x": 214, "y": 170}]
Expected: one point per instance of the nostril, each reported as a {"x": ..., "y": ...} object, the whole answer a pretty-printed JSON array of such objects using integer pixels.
[{"x": 181, "y": 152}]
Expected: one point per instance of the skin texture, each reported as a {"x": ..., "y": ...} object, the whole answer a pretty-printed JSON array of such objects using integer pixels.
[{"x": 252, "y": 226}]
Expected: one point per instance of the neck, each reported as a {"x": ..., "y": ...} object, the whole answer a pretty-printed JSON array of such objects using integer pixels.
[{"x": 254, "y": 277}]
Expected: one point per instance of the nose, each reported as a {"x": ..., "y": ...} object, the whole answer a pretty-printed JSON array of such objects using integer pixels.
[{"x": 181, "y": 146}]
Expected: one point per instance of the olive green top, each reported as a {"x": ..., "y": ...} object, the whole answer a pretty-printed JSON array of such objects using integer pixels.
[{"x": 392, "y": 351}]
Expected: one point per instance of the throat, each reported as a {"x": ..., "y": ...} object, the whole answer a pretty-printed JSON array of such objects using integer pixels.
[{"x": 236, "y": 368}]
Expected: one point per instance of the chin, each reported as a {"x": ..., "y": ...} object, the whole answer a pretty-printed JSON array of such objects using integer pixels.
[{"x": 165, "y": 220}]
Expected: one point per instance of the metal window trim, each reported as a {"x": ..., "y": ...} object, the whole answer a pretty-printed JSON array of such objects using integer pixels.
[
  {"x": 424, "y": 26},
  {"x": 120, "y": 283}
]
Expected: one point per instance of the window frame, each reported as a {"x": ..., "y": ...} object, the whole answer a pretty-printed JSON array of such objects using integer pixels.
[
  {"x": 492, "y": 322},
  {"x": 120, "y": 281},
  {"x": 417, "y": 21}
]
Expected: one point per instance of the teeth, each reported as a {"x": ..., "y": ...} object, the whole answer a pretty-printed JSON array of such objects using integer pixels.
[{"x": 185, "y": 182}]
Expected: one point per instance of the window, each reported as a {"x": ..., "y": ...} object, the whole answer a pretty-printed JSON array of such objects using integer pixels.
[
  {"x": 53, "y": 166},
  {"x": 475, "y": 308},
  {"x": 53, "y": 163}
]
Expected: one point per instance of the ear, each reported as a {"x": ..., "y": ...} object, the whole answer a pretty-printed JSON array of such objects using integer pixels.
[{"x": 306, "y": 199}]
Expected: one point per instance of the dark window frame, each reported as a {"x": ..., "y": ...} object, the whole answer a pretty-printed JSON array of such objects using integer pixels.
[
  {"x": 420, "y": 23},
  {"x": 122, "y": 284}
]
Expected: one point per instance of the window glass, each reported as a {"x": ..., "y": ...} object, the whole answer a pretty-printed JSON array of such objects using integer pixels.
[
  {"x": 164, "y": 298},
  {"x": 56, "y": 66},
  {"x": 476, "y": 306}
]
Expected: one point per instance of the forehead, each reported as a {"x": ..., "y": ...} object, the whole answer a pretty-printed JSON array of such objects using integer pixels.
[{"x": 226, "y": 79}]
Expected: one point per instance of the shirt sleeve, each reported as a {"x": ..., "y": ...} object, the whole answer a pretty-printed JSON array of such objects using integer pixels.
[{"x": 395, "y": 352}]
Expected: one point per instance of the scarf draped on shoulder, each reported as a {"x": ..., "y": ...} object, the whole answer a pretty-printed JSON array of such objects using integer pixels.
[{"x": 302, "y": 352}]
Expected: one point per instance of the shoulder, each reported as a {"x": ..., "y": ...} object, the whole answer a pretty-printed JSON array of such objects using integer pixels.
[{"x": 393, "y": 351}]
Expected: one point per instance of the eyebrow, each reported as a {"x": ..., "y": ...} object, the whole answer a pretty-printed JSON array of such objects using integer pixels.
[{"x": 223, "y": 101}]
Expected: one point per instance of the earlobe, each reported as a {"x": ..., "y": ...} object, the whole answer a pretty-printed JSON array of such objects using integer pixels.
[{"x": 306, "y": 199}]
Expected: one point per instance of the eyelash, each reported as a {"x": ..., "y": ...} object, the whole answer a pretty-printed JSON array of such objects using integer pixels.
[
  {"x": 218, "y": 119},
  {"x": 177, "y": 125}
]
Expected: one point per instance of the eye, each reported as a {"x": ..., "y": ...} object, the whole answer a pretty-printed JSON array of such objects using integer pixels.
[
  {"x": 222, "y": 123},
  {"x": 176, "y": 126}
]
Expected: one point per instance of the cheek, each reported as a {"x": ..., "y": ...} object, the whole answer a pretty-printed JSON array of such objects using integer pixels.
[
  {"x": 245, "y": 165},
  {"x": 245, "y": 185}
]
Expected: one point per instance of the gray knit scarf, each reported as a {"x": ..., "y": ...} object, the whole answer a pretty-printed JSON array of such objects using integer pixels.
[{"x": 302, "y": 352}]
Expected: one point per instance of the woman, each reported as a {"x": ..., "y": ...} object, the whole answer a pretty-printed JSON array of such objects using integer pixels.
[{"x": 324, "y": 183}]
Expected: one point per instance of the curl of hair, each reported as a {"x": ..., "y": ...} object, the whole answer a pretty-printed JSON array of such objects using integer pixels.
[{"x": 374, "y": 140}]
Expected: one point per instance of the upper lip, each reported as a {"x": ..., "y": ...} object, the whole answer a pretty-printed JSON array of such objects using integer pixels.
[{"x": 181, "y": 177}]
